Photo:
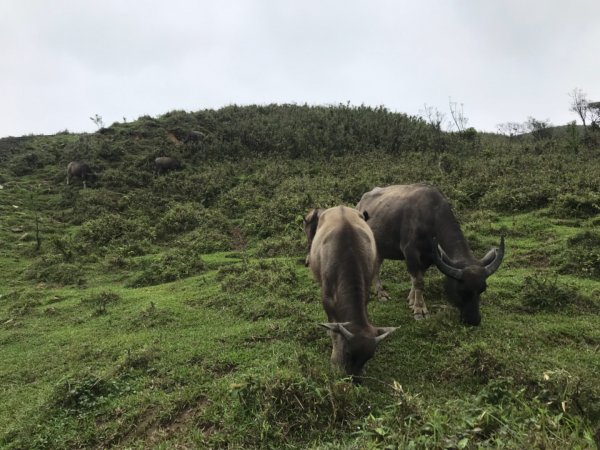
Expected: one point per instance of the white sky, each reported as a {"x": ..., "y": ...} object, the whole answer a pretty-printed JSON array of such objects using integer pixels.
[{"x": 62, "y": 61}]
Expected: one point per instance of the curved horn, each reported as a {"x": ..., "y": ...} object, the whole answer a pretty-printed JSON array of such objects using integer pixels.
[
  {"x": 338, "y": 327},
  {"x": 493, "y": 266},
  {"x": 344, "y": 331},
  {"x": 385, "y": 332},
  {"x": 446, "y": 269}
]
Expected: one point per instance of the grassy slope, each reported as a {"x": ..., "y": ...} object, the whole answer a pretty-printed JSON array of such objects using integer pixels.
[{"x": 229, "y": 354}]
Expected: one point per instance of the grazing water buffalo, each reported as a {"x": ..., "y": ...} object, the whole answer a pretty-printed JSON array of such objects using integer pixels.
[
  {"x": 164, "y": 164},
  {"x": 77, "y": 169},
  {"x": 342, "y": 259},
  {"x": 416, "y": 223}
]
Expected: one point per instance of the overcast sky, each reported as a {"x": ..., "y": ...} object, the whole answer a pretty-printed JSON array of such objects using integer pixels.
[{"x": 63, "y": 61}]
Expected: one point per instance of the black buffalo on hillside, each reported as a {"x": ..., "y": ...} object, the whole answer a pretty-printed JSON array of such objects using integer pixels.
[
  {"x": 416, "y": 223},
  {"x": 78, "y": 169},
  {"x": 164, "y": 164}
]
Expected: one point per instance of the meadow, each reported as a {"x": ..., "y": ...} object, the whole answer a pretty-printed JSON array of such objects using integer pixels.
[{"x": 175, "y": 311}]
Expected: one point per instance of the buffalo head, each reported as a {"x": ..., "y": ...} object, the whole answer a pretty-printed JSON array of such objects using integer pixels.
[
  {"x": 352, "y": 350},
  {"x": 466, "y": 281}
]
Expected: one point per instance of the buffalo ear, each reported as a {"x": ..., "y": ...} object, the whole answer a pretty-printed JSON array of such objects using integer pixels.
[
  {"x": 312, "y": 215},
  {"x": 311, "y": 221}
]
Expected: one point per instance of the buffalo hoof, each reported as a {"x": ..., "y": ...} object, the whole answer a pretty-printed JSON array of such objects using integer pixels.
[
  {"x": 420, "y": 316},
  {"x": 383, "y": 296}
]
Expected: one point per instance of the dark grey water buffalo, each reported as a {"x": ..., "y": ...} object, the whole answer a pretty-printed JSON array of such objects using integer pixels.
[
  {"x": 78, "y": 169},
  {"x": 164, "y": 164},
  {"x": 416, "y": 223},
  {"x": 342, "y": 259}
]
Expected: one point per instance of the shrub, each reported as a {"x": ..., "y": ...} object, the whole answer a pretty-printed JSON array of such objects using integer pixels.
[
  {"x": 52, "y": 269},
  {"x": 113, "y": 228},
  {"x": 179, "y": 218},
  {"x": 264, "y": 275},
  {"x": 206, "y": 240},
  {"x": 541, "y": 292},
  {"x": 81, "y": 396},
  {"x": 100, "y": 301},
  {"x": 522, "y": 198},
  {"x": 582, "y": 255},
  {"x": 167, "y": 267},
  {"x": 570, "y": 206}
]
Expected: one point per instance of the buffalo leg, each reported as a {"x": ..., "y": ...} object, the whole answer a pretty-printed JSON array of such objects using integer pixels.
[
  {"x": 415, "y": 297},
  {"x": 382, "y": 294}
]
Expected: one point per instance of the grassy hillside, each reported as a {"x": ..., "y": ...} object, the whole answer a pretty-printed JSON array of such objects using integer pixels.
[{"x": 175, "y": 311}]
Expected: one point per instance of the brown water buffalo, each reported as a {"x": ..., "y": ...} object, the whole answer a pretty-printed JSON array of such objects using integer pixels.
[
  {"x": 416, "y": 223},
  {"x": 164, "y": 164},
  {"x": 343, "y": 259},
  {"x": 78, "y": 169}
]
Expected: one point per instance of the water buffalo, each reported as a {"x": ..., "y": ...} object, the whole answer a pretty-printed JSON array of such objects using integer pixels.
[
  {"x": 78, "y": 169},
  {"x": 164, "y": 164},
  {"x": 342, "y": 259},
  {"x": 416, "y": 223}
]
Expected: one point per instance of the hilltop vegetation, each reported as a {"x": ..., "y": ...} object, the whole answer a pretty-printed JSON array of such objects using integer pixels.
[{"x": 175, "y": 311}]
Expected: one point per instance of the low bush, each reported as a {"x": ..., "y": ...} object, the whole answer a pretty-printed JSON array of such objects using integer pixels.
[
  {"x": 543, "y": 292},
  {"x": 179, "y": 218},
  {"x": 114, "y": 228},
  {"x": 52, "y": 269},
  {"x": 570, "y": 206},
  {"x": 81, "y": 396},
  {"x": 100, "y": 301},
  {"x": 582, "y": 255},
  {"x": 167, "y": 267}
]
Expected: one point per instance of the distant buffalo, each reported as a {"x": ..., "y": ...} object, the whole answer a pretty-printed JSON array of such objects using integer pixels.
[
  {"x": 78, "y": 169},
  {"x": 164, "y": 164}
]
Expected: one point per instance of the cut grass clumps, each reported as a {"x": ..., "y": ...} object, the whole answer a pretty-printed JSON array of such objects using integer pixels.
[
  {"x": 582, "y": 255},
  {"x": 474, "y": 363},
  {"x": 499, "y": 416},
  {"x": 284, "y": 407}
]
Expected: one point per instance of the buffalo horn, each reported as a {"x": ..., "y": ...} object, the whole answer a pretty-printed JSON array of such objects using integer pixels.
[
  {"x": 493, "y": 266},
  {"x": 385, "y": 332},
  {"x": 340, "y": 327},
  {"x": 446, "y": 269}
]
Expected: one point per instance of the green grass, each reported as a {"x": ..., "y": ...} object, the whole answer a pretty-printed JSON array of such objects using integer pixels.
[{"x": 176, "y": 312}]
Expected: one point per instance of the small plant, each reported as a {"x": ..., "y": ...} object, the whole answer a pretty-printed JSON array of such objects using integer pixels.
[
  {"x": 100, "y": 301},
  {"x": 541, "y": 292},
  {"x": 84, "y": 395},
  {"x": 97, "y": 119}
]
